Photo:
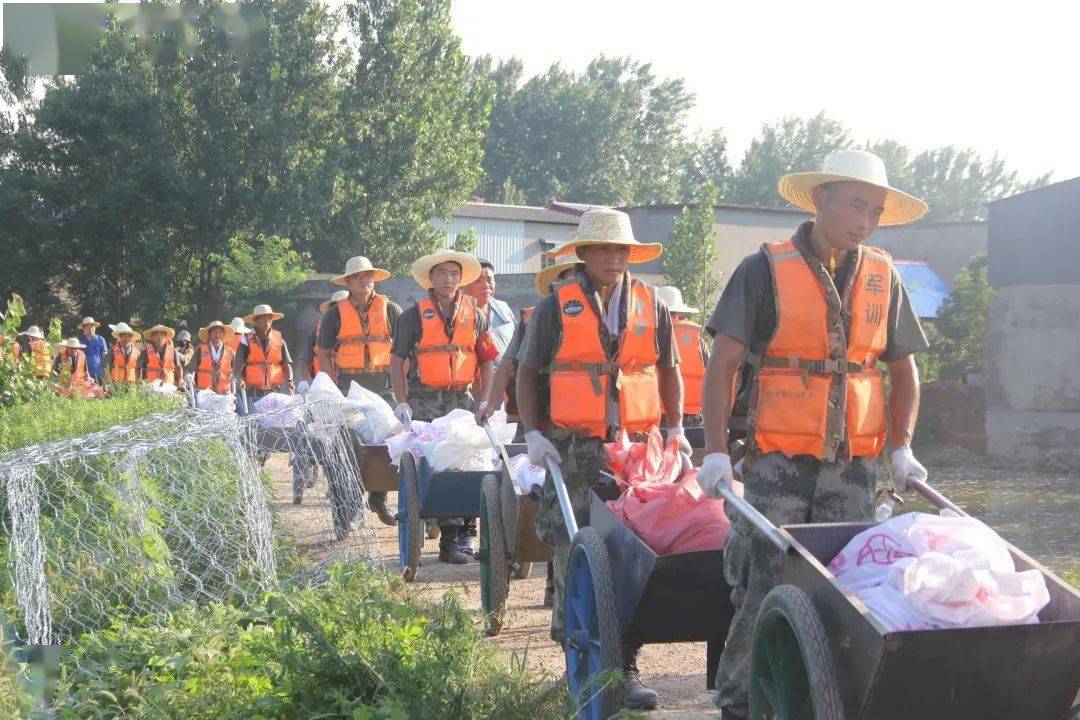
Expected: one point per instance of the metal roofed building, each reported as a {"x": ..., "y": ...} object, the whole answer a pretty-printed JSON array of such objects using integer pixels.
[
  {"x": 925, "y": 289},
  {"x": 512, "y": 237}
]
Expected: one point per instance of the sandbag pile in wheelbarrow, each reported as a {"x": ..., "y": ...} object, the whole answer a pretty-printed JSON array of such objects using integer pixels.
[
  {"x": 663, "y": 505},
  {"x": 924, "y": 572},
  {"x": 452, "y": 442},
  {"x": 364, "y": 412}
]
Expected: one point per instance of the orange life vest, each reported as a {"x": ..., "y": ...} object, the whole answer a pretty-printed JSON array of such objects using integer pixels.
[
  {"x": 691, "y": 364},
  {"x": 158, "y": 369},
  {"x": 40, "y": 359},
  {"x": 233, "y": 343},
  {"x": 447, "y": 362},
  {"x": 123, "y": 367},
  {"x": 581, "y": 370},
  {"x": 360, "y": 351},
  {"x": 78, "y": 368},
  {"x": 315, "y": 349},
  {"x": 215, "y": 376},
  {"x": 264, "y": 370},
  {"x": 800, "y": 365}
]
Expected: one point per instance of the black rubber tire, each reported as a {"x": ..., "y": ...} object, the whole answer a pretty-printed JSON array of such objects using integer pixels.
[
  {"x": 496, "y": 579},
  {"x": 791, "y": 665},
  {"x": 587, "y": 542},
  {"x": 522, "y": 570},
  {"x": 416, "y": 525}
]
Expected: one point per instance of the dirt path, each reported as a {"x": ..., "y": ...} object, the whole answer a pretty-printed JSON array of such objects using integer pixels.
[{"x": 677, "y": 672}]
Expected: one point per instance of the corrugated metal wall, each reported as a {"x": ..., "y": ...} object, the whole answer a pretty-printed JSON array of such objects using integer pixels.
[{"x": 500, "y": 241}]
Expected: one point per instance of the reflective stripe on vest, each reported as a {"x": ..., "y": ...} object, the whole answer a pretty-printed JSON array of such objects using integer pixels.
[
  {"x": 441, "y": 362},
  {"x": 264, "y": 370},
  {"x": 158, "y": 370},
  {"x": 691, "y": 365},
  {"x": 216, "y": 376},
  {"x": 792, "y": 411},
  {"x": 123, "y": 367},
  {"x": 40, "y": 359},
  {"x": 581, "y": 370},
  {"x": 359, "y": 351}
]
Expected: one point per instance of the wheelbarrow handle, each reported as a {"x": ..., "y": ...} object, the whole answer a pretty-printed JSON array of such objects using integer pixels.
[
  {"x": 761, "y": 523},
  {"x": 564, "y": 497},
  {"x": 497, "y": 446},
  {"x": 189, "y": 380},
  {"x": 935, "y": 498}
]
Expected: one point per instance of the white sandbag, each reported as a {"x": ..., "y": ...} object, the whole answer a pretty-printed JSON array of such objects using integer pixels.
[
  {"x": 278, "y": 410},
  {"x": 466, "y": 445},
  {"x": 375, "y": 420},
  {"x": 211, "y": 401},
  {"x": 160, "y": 386},
  {"x": 329, "y": 404},
  {"x": 526, "y": 476}
]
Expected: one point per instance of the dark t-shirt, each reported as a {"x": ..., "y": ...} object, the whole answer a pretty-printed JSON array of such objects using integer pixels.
[
  {"x": 243, "y": 349},
  {"x": 378, "y": 382}
]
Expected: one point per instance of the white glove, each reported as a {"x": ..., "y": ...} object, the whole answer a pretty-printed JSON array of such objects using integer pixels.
[
  {"x": 403, "y": 413},
  {"x": 676, "y": 431},
  {"x": 714, "y": 472},
  {"x": 540, "y": 449},
  {"x": 904, "y": 466},
  {"x": 480, "y": 414}
]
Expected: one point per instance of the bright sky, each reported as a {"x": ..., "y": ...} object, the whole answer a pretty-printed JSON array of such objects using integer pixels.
[{"x": 925, "y": 73}]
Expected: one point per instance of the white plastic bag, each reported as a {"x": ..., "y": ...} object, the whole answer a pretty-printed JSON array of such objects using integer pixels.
[
  {"x": 278, "y": 410},
  {"x": 376, "y": 419},
  {"x": 211, "y": 401},
  {"x": 526, "y": 475},
  {"x": 160, "y": 386}
]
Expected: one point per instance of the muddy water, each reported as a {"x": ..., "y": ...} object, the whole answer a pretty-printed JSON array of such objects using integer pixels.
[{"x": 1038, "y": 513}]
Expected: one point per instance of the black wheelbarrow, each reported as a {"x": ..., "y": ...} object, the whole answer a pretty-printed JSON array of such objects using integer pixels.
[{"x": 508, "y": 541}]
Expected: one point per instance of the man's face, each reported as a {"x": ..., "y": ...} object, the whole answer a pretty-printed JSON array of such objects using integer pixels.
[
  {"x": 361, "y": 284},
  {"x": 216, "y": 335},
  {"x": 157, "y": 337},
  {"x": 89, "y": 330},
  {"x": 483, "y": 287},
  {"x": 445, "y": 279},
  {"x": 263, "y": 322},
  {"x": 605, "y": 263},
  {"x": 125, "y": 339},
  {"x": 847, "y": 213}
]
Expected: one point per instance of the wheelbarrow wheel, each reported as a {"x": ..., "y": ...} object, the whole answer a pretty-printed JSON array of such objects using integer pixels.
[
  {"x": 591, "y": 642},
  {"x": 522, "y": 570},
  {"x": 792, "y": 675},
  {"x": 494, "y": 563},
  {"x": 410, "y": 526}
]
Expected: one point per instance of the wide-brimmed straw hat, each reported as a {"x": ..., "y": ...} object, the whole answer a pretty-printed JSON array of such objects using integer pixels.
[
  {"x": 239, "y": 327},
  {"x": 852, "y": 166},
  {"x": 548, "y": 275},
  {"x": 33, "y": 331},
  {"x": 123, "y": 329},
  {"x": 421, "y": 268},
  {"x": 604, "y": 226},
  {"x": 672, "y": 297},
  {"x": 169, "y": 332},
  {"x": 72, "y": 343},
  {"x": 204, "y": 333},
  {"x": 261, "y": 310},
  {"x": 360, "y": 264},
  {"x": 89, "y": 321},
  {"x": 334, "y": 300}
]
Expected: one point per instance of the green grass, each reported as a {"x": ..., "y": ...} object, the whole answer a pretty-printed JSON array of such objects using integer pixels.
[{"x": 1072, "y": 577}]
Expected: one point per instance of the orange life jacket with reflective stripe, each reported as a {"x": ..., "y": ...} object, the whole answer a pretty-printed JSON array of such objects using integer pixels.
[
  {"x": 447, "y": 362},
  {"x": 264, "y": 370},
  {"x": 691, "y": 365},
  {"x": 40, "y": 359},
  {"x": 799, "y": 365},
  {"x": 123, "y": 367},
  {"x": 360, "y": 351},
  {"x": 215, "y": 376},
  {"x": 581, "y": 372},
  {"x": 158, "y": 369}
]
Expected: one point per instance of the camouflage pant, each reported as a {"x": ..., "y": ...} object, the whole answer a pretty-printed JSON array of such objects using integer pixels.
[
  {"x": 426, "y": 405},
  {"x": 693, "y": 421},
  {"x": 582, "y": 461},
  {"x": 786, "y": 491}
]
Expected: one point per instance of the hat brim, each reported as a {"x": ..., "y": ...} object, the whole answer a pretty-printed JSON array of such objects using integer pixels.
[
  {"x": 169, "y": 332},
  {"x": 135, "y": 335},
  {"x": 684, "y": 309},
  {"x": 31, "y": 335},
  {"x": 204, "y": 333},
  {"x": 639, "y": 252},
  {"x": 421, "y": 268},
  {"x": 95, "y": 324},
  {"x": 900, "y": 208},
  {"x": 380, "y": 275},
  {"x": 547, "y": 276},
  {"x": 274, "y": 315}
]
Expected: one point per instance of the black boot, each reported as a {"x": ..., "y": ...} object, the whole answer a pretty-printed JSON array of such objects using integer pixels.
[
  {"x": 377, "y": 502},
  {"x": 636, "y": 696},
  {"x": 448, "y": 550}
]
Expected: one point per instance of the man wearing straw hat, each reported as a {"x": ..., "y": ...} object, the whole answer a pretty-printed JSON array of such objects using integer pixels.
[
  {"x": 607, "y": 343},
  {"x": 444, "y": 342},
  {"x": 213, "y": 360},
  {"x": 313, "y": 364},
  {"x": 70, "y": 365},
  {"x": 94, "y": 347},
  {"x": 813, "y": 316},
  {"x": 355, "y": 339},
  {"x": 123, "y": 357},
  {"x": 693, "y": 352},
  {"x": 159, "y": 360},
  {"x": 263, "y": 360},
  {"x": 240, "y": 331},
  {"x": 38, "y": 351}
]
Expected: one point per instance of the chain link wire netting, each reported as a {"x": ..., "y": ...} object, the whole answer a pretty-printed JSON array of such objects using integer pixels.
[{"x": 190, "y": 506}]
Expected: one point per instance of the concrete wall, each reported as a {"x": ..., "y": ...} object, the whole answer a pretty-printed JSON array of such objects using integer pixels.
[{"x": 946, "y": 247}]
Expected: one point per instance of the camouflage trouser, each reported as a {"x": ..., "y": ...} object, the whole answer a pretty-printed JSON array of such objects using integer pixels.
[
  {"x": 582, "y": 461},
  {"x": 692, "y": 421},
  {"x": 427, "y": 405},
  {"x": 786, "y": 491}
]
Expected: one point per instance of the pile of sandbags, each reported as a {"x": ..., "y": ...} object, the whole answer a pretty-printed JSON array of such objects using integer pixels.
[{"x": 452, "y": 442}]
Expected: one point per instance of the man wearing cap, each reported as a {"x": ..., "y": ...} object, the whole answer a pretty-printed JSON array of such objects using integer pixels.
[
  {"x": 313, "y": 364},
  {"x": 355, "y": 338},
  {"x": 37, "y": 350},
  {"x": 123, "y": 357},
  {"x": 813, "y": 316},
  {"x": 159, "y": 360},
  {"x": 446, "y": 344},
  {"x": 94, "y": 347},
  {"x": 213, "y": 360},
  {"x": 240, "y": 331},
  {"x": 263, "y": 359},
  {"x": 608, "y": 346},
  {"x": 182, "y": 343},
  {"x": 693, "y": 352}
]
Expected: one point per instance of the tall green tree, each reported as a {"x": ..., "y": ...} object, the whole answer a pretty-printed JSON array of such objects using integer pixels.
[
  {"x": 959, "y": 345},
  {"x": 708, "y": 163},
  {"x": 691, "y": 250}
]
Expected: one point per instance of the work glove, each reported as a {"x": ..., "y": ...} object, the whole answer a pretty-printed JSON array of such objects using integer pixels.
[
  {"x": 714, "y": 472},
  {"x": 483, "y": 412},
  {"x": 403, "y": 413},
  {"x": 904, "y": 466},
  {"x": 540, "y": 449},
  {"x": 676, "y": 432}
]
